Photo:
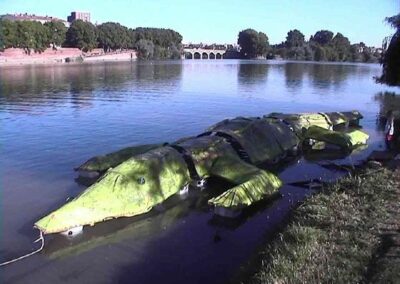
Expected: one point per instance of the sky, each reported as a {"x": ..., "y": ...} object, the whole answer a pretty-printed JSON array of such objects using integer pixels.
[{"x": 219, "y": 21}]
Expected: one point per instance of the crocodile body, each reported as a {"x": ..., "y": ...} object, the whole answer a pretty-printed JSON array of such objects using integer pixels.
[{"x": 231, "y": 149}]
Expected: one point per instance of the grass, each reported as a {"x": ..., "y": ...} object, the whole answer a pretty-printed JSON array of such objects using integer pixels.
[{"x": 339, "y": 235}]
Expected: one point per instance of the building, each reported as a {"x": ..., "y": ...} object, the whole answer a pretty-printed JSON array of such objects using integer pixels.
[
  {"x": 32, "y": 17},
  {"x": 79, "y": 16}
]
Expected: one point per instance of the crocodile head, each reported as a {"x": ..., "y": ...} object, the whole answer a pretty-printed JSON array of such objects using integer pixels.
[{"x": 132, "y": 188}]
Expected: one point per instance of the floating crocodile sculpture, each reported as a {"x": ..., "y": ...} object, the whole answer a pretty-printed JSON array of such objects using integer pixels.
[{"x": 134, "y": 180}]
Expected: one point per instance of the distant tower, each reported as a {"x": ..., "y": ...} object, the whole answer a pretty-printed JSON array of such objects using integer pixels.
[{"x": 79, "y": 16}]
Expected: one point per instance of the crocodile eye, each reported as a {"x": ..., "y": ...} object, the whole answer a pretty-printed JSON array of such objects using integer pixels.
[{"x": 141, "y": 180}]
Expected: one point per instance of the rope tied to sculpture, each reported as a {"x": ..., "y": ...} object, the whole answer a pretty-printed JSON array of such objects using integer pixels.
[{"x": 41, "y": 239}]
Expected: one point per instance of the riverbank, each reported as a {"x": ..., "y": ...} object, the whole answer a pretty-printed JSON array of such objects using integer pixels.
[
  {"x": 347, "y": 233},
  {"x": 18, "y": 56}
]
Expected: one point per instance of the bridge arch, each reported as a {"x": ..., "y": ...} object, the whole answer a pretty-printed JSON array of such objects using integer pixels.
[
  {"x": 202, "y": 53},
  {"x": 196, "y": 55}
]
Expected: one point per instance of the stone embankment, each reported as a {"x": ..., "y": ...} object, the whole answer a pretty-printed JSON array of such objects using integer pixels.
[
  {"x": 18, "y": 56},
  {"x": 99, "y": 55}
]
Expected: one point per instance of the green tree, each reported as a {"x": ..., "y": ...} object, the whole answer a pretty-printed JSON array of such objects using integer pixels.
[
  {"x": 355, "y": 54},
  {"x": 331, "y": 54},
  {"x": 296, "y": 53},
  {"x": 132, "y": 38},
  {"x": 262, "y": 44},
  {"x": 145, "y": 49},
  {"x": 112, "y": 36},
  {"x": 175, "y": 52},
  {"x": 82, "y": 35},
  {"x": 280, "y": 51},
  {"x": 394, "y": 21},
  {"x": 294, "y": 38},
  {"x": 56, "y": 32},
  {"x": 31, "y": 35},
  {"x": 308, "y": 53},
  {"x": 391, "y": 57},
  {"x": 252, "y": 43},
  {"x": 9, "y": 33},
  {"x": 160, "y": 52},
  {"x": 342, "y": 47},
  {"x": 322, "y": 37},
  {"x": 165, "y": 43},
  {"x": 320, "y": 54},
  {"x": 366, "y": 56},
  {"x": 248, "y": 41},
  {"x": 161, "y": 37}
]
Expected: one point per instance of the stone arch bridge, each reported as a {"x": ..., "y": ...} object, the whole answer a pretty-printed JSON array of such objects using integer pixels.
[{"x": 201, "y": 53}]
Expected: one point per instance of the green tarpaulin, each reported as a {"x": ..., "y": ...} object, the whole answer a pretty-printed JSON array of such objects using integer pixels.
[
  {"x": 261, "y": 185},
  {"x": 263, "y": 139},
  {"x": 103, "y": 163},
  {"x": 346, "y": 141}
]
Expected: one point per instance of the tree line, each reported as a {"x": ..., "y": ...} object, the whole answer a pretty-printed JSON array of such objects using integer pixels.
[
  {"x": 151, "y": 43},
  {"x": 322, "y": 46},
  {"x": 155, "y": 43},
  {"x": 31, "y": 35}
]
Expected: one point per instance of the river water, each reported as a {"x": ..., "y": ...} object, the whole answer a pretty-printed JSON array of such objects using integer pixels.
[{"x": 53, "y": 118}]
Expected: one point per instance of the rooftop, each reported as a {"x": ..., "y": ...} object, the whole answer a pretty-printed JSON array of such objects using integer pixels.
[{"x": 26, "y": 16}]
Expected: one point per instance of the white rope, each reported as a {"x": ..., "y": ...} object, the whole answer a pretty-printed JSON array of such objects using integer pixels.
[{"x": 41, "y": 238}]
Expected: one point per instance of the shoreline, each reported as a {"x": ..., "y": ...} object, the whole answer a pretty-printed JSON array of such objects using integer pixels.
[
  {"x": 50, "y": 62},
  {"x": 352, "y": 221},
  {"x": 18, "y": 57}
]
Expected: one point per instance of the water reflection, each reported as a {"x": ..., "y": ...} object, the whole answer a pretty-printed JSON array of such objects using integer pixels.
[
  {"x": 294, "y": 74},
  {"x": 137, "y": 228},
  {"x": 325, "y": 76},
  {"x": 250, "y": 73},
  {"x": 56, "y": 86},
  {"x": 78, "y": 84},
  {"x": 158, "y": 71},
  {"x": 81, "y": 78},
  {"x": 388, "y": 101}
]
